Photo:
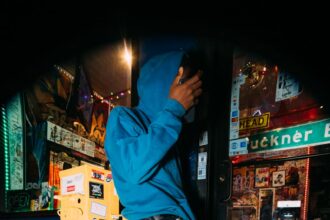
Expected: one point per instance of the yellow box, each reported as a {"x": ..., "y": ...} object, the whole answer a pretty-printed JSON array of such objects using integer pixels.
[{"x": 88, "y": 193}]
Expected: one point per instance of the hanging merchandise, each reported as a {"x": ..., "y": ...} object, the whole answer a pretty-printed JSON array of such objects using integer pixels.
[
  {"x": 81, "y": 104},
  {"x": 99, "y": 121}
]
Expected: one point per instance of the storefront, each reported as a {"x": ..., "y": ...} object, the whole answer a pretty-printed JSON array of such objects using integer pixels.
[
  {"x": 279, "y": 136},
  {"x": 58, "y": 123},
  {"x": 257, "y": 145}
]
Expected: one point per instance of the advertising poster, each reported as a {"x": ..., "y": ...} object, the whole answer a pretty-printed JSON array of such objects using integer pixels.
[
  {"x": 239, "y": 179},
  {"x": 262, "y": 177},
  {"x": 16, "y": 138},
  {"x": 98, "y": 122},
  {"x": 287, "y": 87},
  {"x": 249, "y": 178},
  {"x": 278, "y": 178}
]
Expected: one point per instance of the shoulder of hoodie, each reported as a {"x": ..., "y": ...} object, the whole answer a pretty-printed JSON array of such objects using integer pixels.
[
  {"x": 121, "y": 112},
  {"x": 122, "y": 116}
]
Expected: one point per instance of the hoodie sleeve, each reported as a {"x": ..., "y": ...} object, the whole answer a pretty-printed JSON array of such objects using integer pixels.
[{"x": 135, "y": 153}]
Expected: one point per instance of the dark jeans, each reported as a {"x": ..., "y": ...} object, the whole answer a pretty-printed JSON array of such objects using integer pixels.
[{"x": 164, "y": 217}]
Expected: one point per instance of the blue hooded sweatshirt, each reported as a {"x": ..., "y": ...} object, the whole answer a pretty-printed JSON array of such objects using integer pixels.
[{"x": 140, "y": 145}]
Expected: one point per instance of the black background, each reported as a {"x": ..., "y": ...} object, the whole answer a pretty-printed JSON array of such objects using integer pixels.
[{"x": 34, "y": 35}]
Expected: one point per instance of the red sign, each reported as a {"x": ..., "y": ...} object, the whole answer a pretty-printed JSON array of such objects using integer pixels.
[
  {"x": 97, "y": 175},
  {"x": 70, "y": 188}
]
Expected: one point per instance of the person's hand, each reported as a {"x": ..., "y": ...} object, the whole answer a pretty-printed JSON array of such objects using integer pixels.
[{"x": 186, "y": 93}]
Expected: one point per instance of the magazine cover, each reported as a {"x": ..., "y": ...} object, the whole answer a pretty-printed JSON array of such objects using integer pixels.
[{"x": 262, "y": 177}]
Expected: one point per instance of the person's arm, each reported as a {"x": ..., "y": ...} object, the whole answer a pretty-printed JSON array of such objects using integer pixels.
[{"x": 137, "y": 153}]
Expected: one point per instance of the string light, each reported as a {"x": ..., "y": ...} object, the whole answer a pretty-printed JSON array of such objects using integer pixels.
[
  {"x": 71, "y": 77},
  {"x": 64, "y": 72},
  {"x": 306, "y": 196},
  {"x": 105, "y": 101},
  {"x": 6, "y": 146},
  {"x": 115, "y": 96},
  {"x": 118, "y": 95},
  {"x": 96, "y": 96}
]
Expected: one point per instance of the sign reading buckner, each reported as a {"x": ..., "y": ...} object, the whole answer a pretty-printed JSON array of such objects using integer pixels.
[{"x": 314, "y": 133}]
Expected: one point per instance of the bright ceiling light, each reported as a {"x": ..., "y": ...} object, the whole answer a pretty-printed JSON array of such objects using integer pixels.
[{"x": 127, "y": 55}]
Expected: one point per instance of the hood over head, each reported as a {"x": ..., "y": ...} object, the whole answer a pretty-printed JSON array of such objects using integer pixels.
[{"x": 155, "y": 80}]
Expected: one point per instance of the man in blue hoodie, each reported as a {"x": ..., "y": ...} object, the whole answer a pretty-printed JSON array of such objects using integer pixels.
[{"x": 140, "y": 141}]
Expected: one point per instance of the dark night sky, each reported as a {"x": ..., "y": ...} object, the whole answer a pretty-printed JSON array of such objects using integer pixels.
[{"x": 33, "y": 37}]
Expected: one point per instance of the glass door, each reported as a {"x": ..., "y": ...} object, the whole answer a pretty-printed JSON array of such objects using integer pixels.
[{"x": 278, "y": 132}]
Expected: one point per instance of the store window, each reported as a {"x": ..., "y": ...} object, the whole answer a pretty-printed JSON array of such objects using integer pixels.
[
  {"x": 59, "y": 122},
  {"x": 276, "y": 126}
]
